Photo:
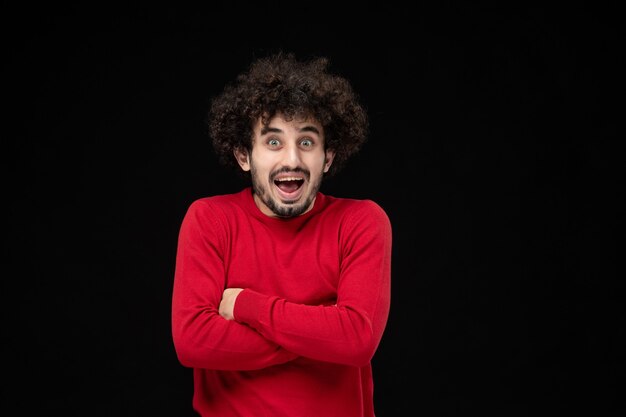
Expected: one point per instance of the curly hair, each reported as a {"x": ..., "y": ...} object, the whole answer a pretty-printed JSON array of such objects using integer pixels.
[{"x": 282, "y": 84}]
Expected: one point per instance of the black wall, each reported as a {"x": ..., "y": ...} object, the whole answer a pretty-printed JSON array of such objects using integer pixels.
[{"x": 494, "y": 149}]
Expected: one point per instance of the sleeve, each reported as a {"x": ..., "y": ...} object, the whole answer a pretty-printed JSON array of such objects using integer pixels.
[
  {"x": 350, "y": 331},
  {"x": 202, "y": 338}
]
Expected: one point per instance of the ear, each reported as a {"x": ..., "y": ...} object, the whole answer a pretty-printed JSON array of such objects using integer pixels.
[
  {"x": 243, "y": 158},
  {"x": 328, "y": 160}
]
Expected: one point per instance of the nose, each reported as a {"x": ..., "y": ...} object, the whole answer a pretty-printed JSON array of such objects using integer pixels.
[{"x": 292, "y": 158}]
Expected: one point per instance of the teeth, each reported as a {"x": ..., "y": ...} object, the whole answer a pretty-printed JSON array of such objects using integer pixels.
[{"x": 288, "y": 179}]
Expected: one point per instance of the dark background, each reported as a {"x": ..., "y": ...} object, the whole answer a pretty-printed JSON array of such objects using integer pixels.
[{"x": 494, "y": 149}]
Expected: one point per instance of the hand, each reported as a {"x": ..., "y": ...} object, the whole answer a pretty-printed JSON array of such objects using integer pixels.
[{"x": 227, "y": 304}]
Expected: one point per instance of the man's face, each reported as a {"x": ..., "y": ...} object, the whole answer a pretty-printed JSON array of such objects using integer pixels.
[{"x": 287, "y": 164}]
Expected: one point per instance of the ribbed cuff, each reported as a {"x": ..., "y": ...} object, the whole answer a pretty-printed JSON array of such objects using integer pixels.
[{"x": 249, "y": 306}]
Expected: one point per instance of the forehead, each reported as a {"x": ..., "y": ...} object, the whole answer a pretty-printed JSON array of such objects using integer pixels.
[{"x": 297, "y": 123}]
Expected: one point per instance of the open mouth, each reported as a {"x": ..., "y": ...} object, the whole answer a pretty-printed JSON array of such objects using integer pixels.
[{"x": 289, "y": 188}]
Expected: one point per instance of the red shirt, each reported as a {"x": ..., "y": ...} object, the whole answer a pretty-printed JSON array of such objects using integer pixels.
[{"x": 313, "y": 310}]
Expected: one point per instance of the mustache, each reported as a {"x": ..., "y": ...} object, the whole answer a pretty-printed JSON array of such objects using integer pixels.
[{"x": 306, "y": 172}]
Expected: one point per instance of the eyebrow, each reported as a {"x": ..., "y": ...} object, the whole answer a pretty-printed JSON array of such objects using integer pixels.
[{"x": 308, "y": 128}]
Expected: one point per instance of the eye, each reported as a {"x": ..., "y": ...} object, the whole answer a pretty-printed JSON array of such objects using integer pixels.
[
  {"x": 273, "y": 142},
  {"x": 307, "y": 143}
]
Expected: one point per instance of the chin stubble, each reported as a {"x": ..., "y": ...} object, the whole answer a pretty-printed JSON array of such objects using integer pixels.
[{"x": 287, "y": 209}]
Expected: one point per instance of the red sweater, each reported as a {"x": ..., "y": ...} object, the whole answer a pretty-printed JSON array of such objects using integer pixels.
[{"x": 311, "y": 315}]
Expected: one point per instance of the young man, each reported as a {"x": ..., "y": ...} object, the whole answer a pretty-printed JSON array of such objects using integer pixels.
[{"x": 281, "y": 293}]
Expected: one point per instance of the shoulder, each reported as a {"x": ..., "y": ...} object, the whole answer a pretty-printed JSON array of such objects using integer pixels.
[
  {"x": 211, "y": 203},
  {"x": 350, "y": 205},
  {"x": 215, "y": 209},
  {"x": 220, "y": 203},
  {"x": 357, "y": 210}
]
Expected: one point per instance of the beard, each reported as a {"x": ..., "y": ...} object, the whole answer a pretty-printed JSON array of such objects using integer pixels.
[{"x": 280, "y": 208}]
